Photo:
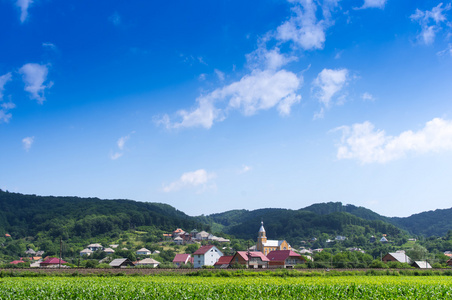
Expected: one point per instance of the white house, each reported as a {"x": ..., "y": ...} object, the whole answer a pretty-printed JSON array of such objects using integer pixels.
[
  {"x": 86, "y": 252},
  {"x": 95, "y": 247},
  {"x": 206, "y": 256},
  {"x": 144, "y": 251}
]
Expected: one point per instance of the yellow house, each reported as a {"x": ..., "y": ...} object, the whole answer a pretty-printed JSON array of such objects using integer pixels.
[{"x": 266, "y": 246}]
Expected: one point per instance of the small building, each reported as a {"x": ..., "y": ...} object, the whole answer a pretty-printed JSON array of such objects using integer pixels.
[
  {"x": 223, "y": 262},
  {"x": 284, "y": 259},
  {"x": 7, "y": 235},
  {"x": 340, "y": 238},
  {"x": 52, "y": 262},
  {"x": 178, "y": 232},
  {"x": 109, "y": 251},
  {"x": 182, "y": 259},
  {"x": 206, "y": 256},
  {"x": 449, "y": 262},
  {"x": 143, "y": 251},
  {"x": 95, "y": 247},
  {"x": 421, "y": 265},
  {"x": 399, "y": 257},
  {"x": 202, "y": 235},
  {"x": 30, "y": 251},
  {"x": 178, "y": 240},
  {"x": 86, "y": 252},
  {"x": 40, "y": 253},
  {"x": 148, "y": 262},
  {"x": 121, "y": 263},
  {"x": 16, "y": 262},
  {"x": 253, "y": 260},
  {"x": 383, "y": 240}
]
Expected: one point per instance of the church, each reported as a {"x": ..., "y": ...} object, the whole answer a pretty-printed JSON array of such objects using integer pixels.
[{"x": 266, "y": 246}]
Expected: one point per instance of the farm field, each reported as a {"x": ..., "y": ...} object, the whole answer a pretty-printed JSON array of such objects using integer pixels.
[{"x": 183, "y": 287}]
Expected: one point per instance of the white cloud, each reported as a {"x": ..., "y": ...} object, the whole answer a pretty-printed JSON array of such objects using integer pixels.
[
  {"x": 431, "y": 22},
  {"x": 448, "y": 50},
  {"x": 50, "y": 46},
  {"x": 367, "y": 145},
  {"x": 260, "y": 90},
  {"x": 34, "y": 76},
  {"x": 328, "y": 84},
  {"x": 23, "y": 5},
  {"x": 245, "y": 169},
  {"x": 202, "y": 77},
  {"x": 367, "y": 97},
  {"x": 219, "y": 74},
  {"x": 198, "y": 178},
  {"x": 265, "y": 59},
  {"x": 374, "y": 4},
  {"x": 121, "y": 143},
  {"x": 27, "y": 142},
  {"x": 3, "y": 80},
  {"x": 303, "y": 28}
]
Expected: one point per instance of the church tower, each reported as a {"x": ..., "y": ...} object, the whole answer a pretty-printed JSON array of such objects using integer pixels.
[{"x": 261, "y": 238}]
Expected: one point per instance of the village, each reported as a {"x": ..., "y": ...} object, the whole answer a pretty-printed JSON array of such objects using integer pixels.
[{"x": 208, "y": 251}]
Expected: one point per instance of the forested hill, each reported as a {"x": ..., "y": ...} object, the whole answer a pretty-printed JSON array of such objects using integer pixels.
[
  {"x": 27, "y": 215},
  {"x": 331, "y": 217}
]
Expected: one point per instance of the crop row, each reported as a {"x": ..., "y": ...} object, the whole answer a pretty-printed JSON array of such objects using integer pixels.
[{"x": 359, "y": 287}]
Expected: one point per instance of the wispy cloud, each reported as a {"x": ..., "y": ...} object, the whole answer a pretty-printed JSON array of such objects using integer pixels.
[
  {"x": 115, "y": 18},
  {"x": 327, "y": 85},
  {"x": 5, "y": 116},
  {"x": 374, "y": 4},
  {"x": 367, "y": 145},
  {"x": 27, "y": 142},
  {"x": 34, "y": 76},
  {"x": 199, "y": 178},
  {"x": 260, "y": 90},
  {"x": 245, "y": 169},
  {"x": 367, "y": 97},
  {"x": 23, "y": 5},
  {"x": 431, "y": 22},
  {"x": 219, "y": 74},
  {"x": 121, "y": 144}
]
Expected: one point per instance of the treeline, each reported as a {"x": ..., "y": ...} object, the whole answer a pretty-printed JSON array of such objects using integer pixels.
[{"x": 31, "y": 215}]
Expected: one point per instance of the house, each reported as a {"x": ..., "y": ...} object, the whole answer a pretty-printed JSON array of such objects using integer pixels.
[
  {"x": 284, "y": 259},
  {"x": 16, "y": 262},
  {"x": 178, "y": 240},
  {"x": 266, "y": 246},
  {"x": 448, "y": 253},
  {"x": 148, "y": 262},
  {"x": 95, "y": 247},
  {"x": 143, "y": 251},
  {"x": 449, "y": 262},
  {"x": 397, "y": 256},
  {"x": 206, "y": 256},
  {"x": 121, "y": 263},
  {"x": 86, "y": 252},
  {"x": 40, "y": 253},
  {"x": 114, "y": 246},
  {"x": 178, "y": 232},
  {"x": 7, "y": 235},
  {"x": 182, "y": 259},
  {"x": 224, "y": 262},
  {"x": 30, "y": 251},
  {"x": 109, "y": 251},
  {"x": 253, "y": 260},
  {"x": 340, "y": 238},
  {"x": 52, "y": 262},
  {"x": 421, "y": 265},
  {"x": 202, "y": 235},
  {"x": 383, "y": 240}
]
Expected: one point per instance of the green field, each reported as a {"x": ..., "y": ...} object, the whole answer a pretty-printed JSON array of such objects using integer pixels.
[{"x": 182, "y": 287}]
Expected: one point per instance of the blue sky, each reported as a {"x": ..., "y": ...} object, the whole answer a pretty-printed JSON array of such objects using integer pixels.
[{"x": 217, "y": 105}]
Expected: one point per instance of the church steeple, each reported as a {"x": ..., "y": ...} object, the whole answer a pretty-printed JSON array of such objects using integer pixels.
[{"x": 261, "y": 238}]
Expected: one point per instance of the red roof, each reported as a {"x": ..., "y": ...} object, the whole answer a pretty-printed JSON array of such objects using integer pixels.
[
  {"x": 224, "y": 260},
  {"x": 7, "y": 235},
  {"x": 53, "y": 261},
  {"x": 181, "y": 258},
  {"x": 282, "y": 255},
  {"x": 15, "y": 262},
  {"x": 203, "y": 250},
  {"x": 253, "y": 254}
]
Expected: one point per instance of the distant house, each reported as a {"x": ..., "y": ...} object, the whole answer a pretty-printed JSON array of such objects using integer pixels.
[
  {"x": 421, "y": 265},
  {"x": 30, "y": 251},
  {"x": 148, "y": 262},
  {"x": 16, "y": 262},
  {"x": 109, "y": 251},
  {"x": 178, "y": 240},
  {"x": 340, "y": 238},
  {"x": 397, "y": 256},
  {"x": 121, "y": 263},
  {"x": 182, "y": 259},
  {"x": 202, "y": 235},
  {"x": 284, "y": 259},
  {"x": 40, "y": 253},
  {"x": 254, "y": 260},
  {"x": 86, "y": 252},
  {"x": 206, "y": 256},
  {"x": 383, "y": 240},
  {"x": 52, "y": 262},
  {"x": 7, "y": 235},
  {"x": 143, "y": 251},
  {"x": 223, "y": 262},
  {"x": 95, "y": 247},
  {"x": 449, "y": 262},
  {"x": 178, "y": 232}
]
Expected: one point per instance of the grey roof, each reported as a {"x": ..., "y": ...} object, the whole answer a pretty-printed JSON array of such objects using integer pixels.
[
  {"x": 119, "y": 261},
  {"x": 148, "y": 261},
  {"x": 422, "y": 264},
  {"x": 401, "y": 257}
]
